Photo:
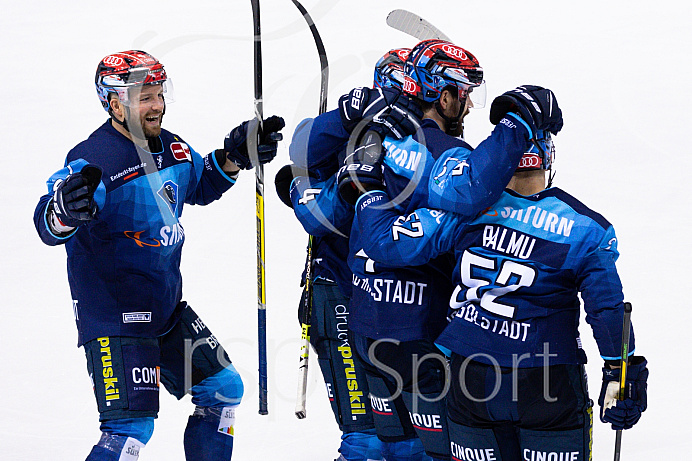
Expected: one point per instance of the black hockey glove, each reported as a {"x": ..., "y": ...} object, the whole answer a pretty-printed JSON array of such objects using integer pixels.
[
  {"x": 537, "y": 106},
  {"x": 236, "y": 147},
  {"x": 393, "y": 113},
  {"x": 283, "y": 181},
  {"x": 73, "y": 197},
  {"x": 623, "y": 414},
  {"x": 362, "y": 170}
]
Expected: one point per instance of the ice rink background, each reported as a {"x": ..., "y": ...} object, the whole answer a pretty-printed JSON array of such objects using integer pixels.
[{"x": 620, "y": 71}]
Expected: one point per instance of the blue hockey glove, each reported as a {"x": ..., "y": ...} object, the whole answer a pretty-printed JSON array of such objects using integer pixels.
[
  {"x": 362, "y": 170},
  {"x": 393, "y": 113},
  {"x": 73, "y": 197},
  {"x": 236, "y": 148},
  {"x": 537, "y": 106},
  {"x": 623, "y": 414}
]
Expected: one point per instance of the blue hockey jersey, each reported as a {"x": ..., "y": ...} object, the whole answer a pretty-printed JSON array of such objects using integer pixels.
[
  {"x": 520, "y": 267},
  {"x": 326, "y": 217},
  {"x": 124, "y": 265},
  {"x": 409, "y": 301}
]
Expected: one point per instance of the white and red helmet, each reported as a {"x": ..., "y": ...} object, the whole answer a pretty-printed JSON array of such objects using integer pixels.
[
  {"x": 434, "y": 65},
  {"x": 118, "y": 72},
  {"x": 389, "y": 70}
]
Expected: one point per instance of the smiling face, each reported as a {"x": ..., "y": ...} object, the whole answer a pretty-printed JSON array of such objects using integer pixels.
[{"x": 146, "y": 110}]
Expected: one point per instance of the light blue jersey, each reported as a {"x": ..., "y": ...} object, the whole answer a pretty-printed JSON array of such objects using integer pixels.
[{"x": 520, "y": 267}]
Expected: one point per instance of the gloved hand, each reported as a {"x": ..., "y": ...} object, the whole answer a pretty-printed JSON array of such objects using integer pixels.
[
  {"x": 393, "y": 112},
  {"x": 537, "y": 106},
  {"x": 236, "y": 147},
  {"x": 73, "y": 197},
  {"x": 623, "y": 414},
  {"x": 362, "y": 170},
  {"x": 284, "y": 179}
]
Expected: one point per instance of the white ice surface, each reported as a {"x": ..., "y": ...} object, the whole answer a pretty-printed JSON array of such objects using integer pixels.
[{"x": 620, "y": 71}]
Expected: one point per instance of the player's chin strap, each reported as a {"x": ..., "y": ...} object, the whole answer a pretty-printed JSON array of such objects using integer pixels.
[
  {"x": 122, "y": 123},
  {"x": 452, "y": 122},
  {"x": 551, "y": 175},
  {"x": 544, "y": 159}
]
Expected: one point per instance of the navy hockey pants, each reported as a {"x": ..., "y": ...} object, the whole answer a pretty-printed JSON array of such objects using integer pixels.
[{"x": 518, "y": 414}]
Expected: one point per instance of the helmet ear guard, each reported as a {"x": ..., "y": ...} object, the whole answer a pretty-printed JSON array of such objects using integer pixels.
[{"x": 540, "y": 155}]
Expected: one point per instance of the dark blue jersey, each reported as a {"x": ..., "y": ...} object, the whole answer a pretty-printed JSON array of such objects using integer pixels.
[
  {"x": 325, "y": 216},
  {"x": 317, "y": 142},
  {"x": 124, "y": 265},
  {"x": 520, "y": 267},
  {"x": 409, "y": 301},
  {"x": 405, "y": 303}
]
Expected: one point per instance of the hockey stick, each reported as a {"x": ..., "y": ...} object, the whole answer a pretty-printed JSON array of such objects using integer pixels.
[
  {"x": 259, "y": 202},
  {"x": 415, "y": 26},
  {"x": 300, "y": 410},
  {"x": 623, "y": 370},
  {"x": 301, "y": 398}
]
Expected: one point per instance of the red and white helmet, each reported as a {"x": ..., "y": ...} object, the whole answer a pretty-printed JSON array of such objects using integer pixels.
[
  {"x": 434, "y": 65},
  {"x": 389, "y": 70},
  {"x": 119, "y": 72}
]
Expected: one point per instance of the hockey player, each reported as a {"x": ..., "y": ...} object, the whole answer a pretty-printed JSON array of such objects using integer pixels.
[
  {"x": 440, "y": 78},
  {"x": 311, "y": 192},
  {"x": 116, "y": 207},
  {"x": 398, "y": 311},
  {"x": 518, "y": 383}
]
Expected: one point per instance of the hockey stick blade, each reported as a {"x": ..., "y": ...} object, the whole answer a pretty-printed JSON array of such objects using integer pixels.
[{"x": 415, "y": 26}]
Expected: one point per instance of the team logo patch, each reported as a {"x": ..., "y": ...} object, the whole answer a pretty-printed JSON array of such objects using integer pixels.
[
  {"x": 181, "y": 151},
  {"x": 410, "y": 86},
  {"x": 169, "y": 194},
  {"x": 530, "y": 161},
  {"x": 455, "y": 51},
  {"x": 136, "y": 317},
  {"x": 113, "y": 61},
  {"x": 137, "y": 237}
]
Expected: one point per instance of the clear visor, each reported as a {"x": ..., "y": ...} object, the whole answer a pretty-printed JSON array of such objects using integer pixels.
[
  {"x": 476, "y": 94},
  {"x": 474, "y": 91},
  {"x": 133, "y": 94}
]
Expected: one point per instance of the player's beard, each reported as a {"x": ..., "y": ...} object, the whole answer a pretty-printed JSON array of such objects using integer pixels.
[
  {"x": 144, "y": 126},
  {"x": 151, "y": 124},
  {"x": 458, "y": 132}
]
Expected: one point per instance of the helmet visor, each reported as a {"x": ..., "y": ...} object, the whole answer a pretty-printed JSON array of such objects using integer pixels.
[
  {"x": 476, "y": 94},
  {"x": 130, "y": 95},
  {"x": 470, "y": 84}
]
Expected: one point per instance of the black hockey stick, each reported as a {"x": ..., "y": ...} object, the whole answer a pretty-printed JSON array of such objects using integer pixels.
[
  {"x": 415, "y": 26},
  {"x": 324, "y": 65},
  {"x": 623, "y": 369},
  {"x": 300, "y": 410},
  {"x": 259, "y": 202}
]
